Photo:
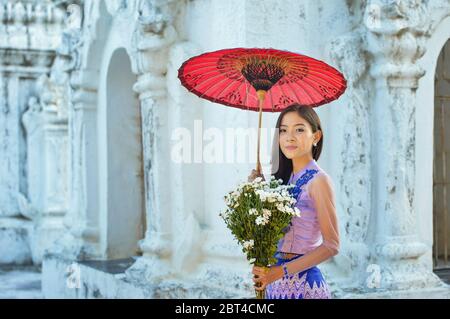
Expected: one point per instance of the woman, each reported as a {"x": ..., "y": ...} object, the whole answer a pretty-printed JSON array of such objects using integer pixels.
[{"x": 313, "y": 237}]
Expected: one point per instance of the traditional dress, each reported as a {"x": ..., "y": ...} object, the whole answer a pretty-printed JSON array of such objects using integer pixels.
[{"x": 310, "y": 239}]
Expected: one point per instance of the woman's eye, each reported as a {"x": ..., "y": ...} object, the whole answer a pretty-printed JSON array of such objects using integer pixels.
[
  {"x": 299, "y": 130},
  {"x": 282, "y": 130}
]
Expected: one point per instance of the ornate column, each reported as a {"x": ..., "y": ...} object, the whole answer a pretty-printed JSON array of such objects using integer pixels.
[
  {"x": 396, "y": 41},
  {"x": 46, "y": 126},
  {"x": 81, "y": 239},
  {"x": 153, "y": 36},
  {"x": 352, "y": 161}
]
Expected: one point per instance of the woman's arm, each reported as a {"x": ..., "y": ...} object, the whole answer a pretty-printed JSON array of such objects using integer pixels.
[{"x": 322, "y": 193}]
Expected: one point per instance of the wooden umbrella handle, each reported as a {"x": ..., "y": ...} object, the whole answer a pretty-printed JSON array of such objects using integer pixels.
[{"x": 261, "y": 96}]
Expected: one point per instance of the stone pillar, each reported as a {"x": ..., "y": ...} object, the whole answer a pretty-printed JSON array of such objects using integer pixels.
[
  {"x": 396, "y": 42},
  {"x": 82, "y": 239},
  {"x": 46, "y": 126},
  {"x": 187, "y": 189},
  {"x": 152, "y": 38},
  {"x": 351, "y": 160}
]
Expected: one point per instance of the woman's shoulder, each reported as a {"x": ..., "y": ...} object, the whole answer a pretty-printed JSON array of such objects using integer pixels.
[{"x": 321, "y": 180}]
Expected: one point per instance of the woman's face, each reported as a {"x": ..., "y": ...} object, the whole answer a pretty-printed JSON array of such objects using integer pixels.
[{"x": 296, "y": 136}]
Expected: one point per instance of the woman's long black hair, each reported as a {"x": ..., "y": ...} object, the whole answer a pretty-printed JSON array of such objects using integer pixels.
[{"x": 281, "y": 165}]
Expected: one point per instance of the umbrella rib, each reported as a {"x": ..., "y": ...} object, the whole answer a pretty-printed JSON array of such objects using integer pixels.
[
  {"x": 316, "y": 72},
  {"x": 293, "y": 91},
  {"x": 201, "y": 58},
  {"x": 214, "y": 85},
  {"x": 213, "y": 63},
  {"x": 328, "y": 79},
  {"x": 271, "y": 99},
  {"x": 213, "y": 74},
  {"x": 211, "y": 78},
  {"x": 271, "y": 104},
  {"x": 246, "y": 83},
  {"x": 204, "y": 56},
  {"x": 246, "y": 93},
  {"x": 311, "y": 60},
  {"x": 323, "y": 82},
  {"x": 231, "y": 83},
  {"x": 318, "y": 67},
  {"x": 323, "y": 71},
  {"x": 282, "y": 91},
  {"x": 202, "y": 68},
  {"x": 220, "y": 53},
  {"x": 307, "y": 81},
  {"x": 306, "y": 91},
  {"x": 313, "y": 88},
  {"x": 326, "y": 99},
  {"x": 332, "y": 76}
]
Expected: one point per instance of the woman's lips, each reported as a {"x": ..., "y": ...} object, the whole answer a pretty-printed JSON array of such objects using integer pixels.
[{"x": 291, "y": 147}]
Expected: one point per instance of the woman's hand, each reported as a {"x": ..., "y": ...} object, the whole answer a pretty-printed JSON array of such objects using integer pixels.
[
  {"x": 266, "y": 275},
  {"x": 254, "y": 174}
]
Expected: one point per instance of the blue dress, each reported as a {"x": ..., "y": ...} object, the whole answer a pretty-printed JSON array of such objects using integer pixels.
[{"x": 307, "y": 284}]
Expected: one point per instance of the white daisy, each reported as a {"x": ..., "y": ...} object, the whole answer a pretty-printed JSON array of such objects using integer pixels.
[
  {"x": 248, "y": 244},
  {"x": 260, "y": 220}
]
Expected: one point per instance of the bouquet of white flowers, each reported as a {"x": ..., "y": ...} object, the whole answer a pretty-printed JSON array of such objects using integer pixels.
[{"x": 257, "y": 213}]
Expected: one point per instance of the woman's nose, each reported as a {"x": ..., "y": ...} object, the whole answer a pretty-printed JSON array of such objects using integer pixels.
[{"x": 289, "y": 137}]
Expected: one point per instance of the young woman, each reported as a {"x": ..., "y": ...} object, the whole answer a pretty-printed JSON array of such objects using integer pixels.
[{"x": 313, "y": 237}]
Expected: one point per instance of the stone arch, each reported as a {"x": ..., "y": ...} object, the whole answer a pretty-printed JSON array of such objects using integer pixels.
[
  {"x": 93, "y": 54},
  {"x": 425, "y": 114},
  {"x": 441, "y": 170},
  {"x": 87, "y": 54},
  {"x": 122, "y": 175},
  {"x": 100, "y": 34}
]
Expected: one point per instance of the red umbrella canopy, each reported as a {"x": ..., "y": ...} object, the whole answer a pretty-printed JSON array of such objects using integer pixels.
[{"x": 233, "y": 76}]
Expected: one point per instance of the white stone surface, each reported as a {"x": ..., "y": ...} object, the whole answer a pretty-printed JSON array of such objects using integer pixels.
[
  {"x": 14, "y": 241},
  {"x": 379, "y": 160},
  {"x": 64, "y": 279},
  {"x": 20, "y": 283}
]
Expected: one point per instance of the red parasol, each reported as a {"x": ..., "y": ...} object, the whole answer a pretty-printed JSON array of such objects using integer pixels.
[{"x": 264, "y": 80}]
